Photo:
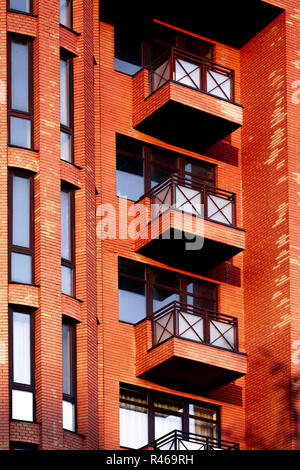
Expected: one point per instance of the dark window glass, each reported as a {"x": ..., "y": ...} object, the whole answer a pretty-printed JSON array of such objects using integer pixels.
[
  {"x": 132, "y": 293},
  {"x": 21, "y": 228},
  {"x": 65, "y": 13},
  {"x": 67, "y": 241},
  {"x": 20, "y": 5},
  {"x": 195, "y": 169},
  {"x": 130, "y": 177},
  {"x": 128, "y": 51},
  {"x": 202, "y": 295},
  {"x": 66, "y": 109},
  {"x": 20, "y": 92},
  {"x": 21, "y": 366},
  {"x": 68, "y": 358}
]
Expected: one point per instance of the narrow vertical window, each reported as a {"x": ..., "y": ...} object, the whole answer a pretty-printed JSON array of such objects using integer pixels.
[
  {"x": 67, "y": 242},
  {"x": 21, "y": 228},
  {"x": 65, "y": 13},
  {"x": 69, "y": 377},
  {"x": 20, "y": 107},
  {"x": 20, "y": 5},
  {"x": 66, "y": 109},
  {"x": 22, "y": 365}
]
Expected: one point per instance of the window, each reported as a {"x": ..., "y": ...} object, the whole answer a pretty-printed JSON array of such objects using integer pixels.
[
  {"x": 66, "y": 109},
  {"x": 69, "y": 376},
  {"x": 20, "y": 228},
  {"x": 22, "y": 365},
  {"x": 128, "y": 50},
  {"x": 132, "y": 293},
  {"x": 65, "y": 13},
  {"x": 144, "y": 290},
  {"x": 20, "y": 5},
  {"x": 67, "y": 242},
  {"x": 140, "y": 167},
  {"x": 146, "y": 416},
  {"x": 20, "y": 103}
]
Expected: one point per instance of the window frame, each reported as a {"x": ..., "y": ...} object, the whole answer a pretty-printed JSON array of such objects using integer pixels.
[
  {"x": 71, "y": 17},
  {"x": 150, "y": 285},
  {"x": 65, "y": 55},
  {"x": 152, "y": 395},
  {"x": 15, "y": 248},
  {"x": 13, "y": 10},
  {"x": 147, "y": 151},
  {"x": 14, "y": 385},
  {"x": 11, "y": 112},
  {"x": 66, "y": 397},
  {"x": 64, "y": 262}
]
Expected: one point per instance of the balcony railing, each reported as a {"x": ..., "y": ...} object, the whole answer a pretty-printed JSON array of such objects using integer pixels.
[
  {"x": 194, "y": 323},
  {"x": 179, "y": 440},
  {"x": 197, "y": 72},
  {"x": 193, "y": 197}
]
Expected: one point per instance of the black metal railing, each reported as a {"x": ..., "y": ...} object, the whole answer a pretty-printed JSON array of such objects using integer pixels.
[
  {"x": 179, "y": 440},
  {"x": 194, "y": 71},
  {"x": 181, "y": 320},
  {"x": 194, "y": 197}
]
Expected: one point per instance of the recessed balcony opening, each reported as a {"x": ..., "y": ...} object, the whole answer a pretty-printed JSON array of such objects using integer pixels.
[{"x": 178, "y": 440}]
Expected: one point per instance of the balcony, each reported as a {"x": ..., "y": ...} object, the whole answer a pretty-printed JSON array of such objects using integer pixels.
[
  {"x": 183, "y": 209},
  {"x": 179, "y": 440},
  {"x": 191, "y": 101},
  {"x": 185, "y": 344}
]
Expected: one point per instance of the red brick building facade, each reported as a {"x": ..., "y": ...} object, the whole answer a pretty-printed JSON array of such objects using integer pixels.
[{"x": 119, "y": 334}]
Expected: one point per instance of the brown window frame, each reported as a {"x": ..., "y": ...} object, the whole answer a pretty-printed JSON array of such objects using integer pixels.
[
  {"x": 150, "y": 284},
  {"x": 147, "y": 150},
  {"x": 66, "y": 397},
  {"x": 64, "y": 262},
  {"x": 151, "y": 396},
  {"x": 15, "y": 248},
  {"x": 13, "y": 385},
  {"x": 64, "y": 55},
  {"x": 14, "y": 112},
  {"x": 13, "y": 10}
]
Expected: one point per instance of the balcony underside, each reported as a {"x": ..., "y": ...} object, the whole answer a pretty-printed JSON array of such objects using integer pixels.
[
  {"x": 233, "y": 22},
  {"x": 173, "y": 251},
  {"x": 186, "y": 126},
  {"x": 177, "y": 371}
]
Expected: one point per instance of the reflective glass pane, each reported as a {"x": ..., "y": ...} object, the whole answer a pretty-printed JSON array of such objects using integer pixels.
[
  {"x": 20, "y": 5},
  {"x": 21, "y": 211},
  {"x": 66, "y": 229},
  {"x": 65, "y": 16},
  {"x": 21, "y": 268},
  {"x": 130, "y": 177},
  {"x": 20, "y": 132},
  {"x": 133, "y": 426},
  {"x": 165, "y": 421},
  {"x": 67, "y": 356},
  {"x": 68, "y": 416},
  {"x": 21, "y": 348},
  {"x": 158, "y": 174},
  {"x": 67, "y": 280},
  {"x": 65, "y": 92},
  {"x": 19, "y": 76},
  {"x": 162, "y": 297},
  {"x": 132, "y": 300},
  {"x": 126, "y": 67},
  {"x": 22, "y": 405},
  {"x": 65, "y": 147}
]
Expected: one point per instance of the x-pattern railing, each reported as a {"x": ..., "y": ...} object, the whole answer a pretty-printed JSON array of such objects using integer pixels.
[
  {"x": 194, "y": 71},
  {"x": 193, "y": 197},
  {"x": 181, "y": 320},
  {"x": 179, "y": 440}
]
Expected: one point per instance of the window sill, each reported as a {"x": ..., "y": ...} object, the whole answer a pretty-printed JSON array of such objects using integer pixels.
[
  {"x": 20, "y": 12},
  {"x": 70, "y": 29},
  {"x": 22, "y": 284},
  {"x": 72, "y": 297},
  {"x": 74, "y": 433},
  {"x": 72, "y": 164},
  {"x": 23, "y": 148}
]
